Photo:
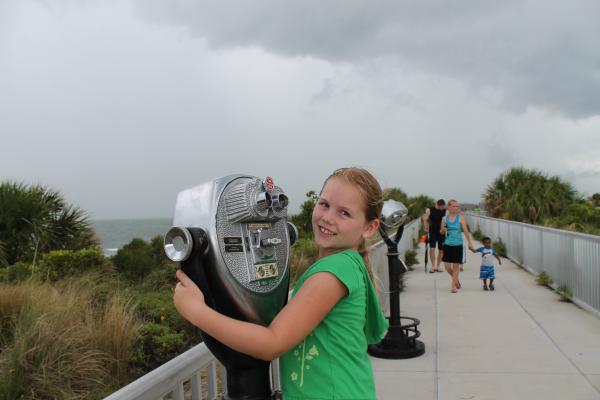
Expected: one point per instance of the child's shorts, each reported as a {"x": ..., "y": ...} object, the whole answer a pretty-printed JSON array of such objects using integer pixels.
[{"x": 487, "y": 272}]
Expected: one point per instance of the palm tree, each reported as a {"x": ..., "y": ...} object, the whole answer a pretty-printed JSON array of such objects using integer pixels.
[
  {"x": 527, "y": 195},
  {"x": 35, "y": 219}
]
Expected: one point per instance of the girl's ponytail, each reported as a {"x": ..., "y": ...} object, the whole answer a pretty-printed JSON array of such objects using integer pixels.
[{"x": 364, "y": 253}]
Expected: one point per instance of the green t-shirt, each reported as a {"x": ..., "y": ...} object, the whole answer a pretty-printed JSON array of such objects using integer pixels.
[{"x": 332, "y": 361}]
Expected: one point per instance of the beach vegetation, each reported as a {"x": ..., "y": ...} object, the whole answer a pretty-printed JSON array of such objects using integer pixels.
[
  {"x": 565, "y": 293},
  {"x": 135, "y": 260},
  {"x": 528, "y": 195},
  {"x": 500, "y": 247},
  {"x": 58, "y": 342},
  {"x": 410, "y": 258},
  {"x": 543, "y": 279},
  {"x": 477, "y": 235},
  {"x": 59, "y": 264},
  {"x": 303, "y": 220},
  {"x": 35, "y": 219}
]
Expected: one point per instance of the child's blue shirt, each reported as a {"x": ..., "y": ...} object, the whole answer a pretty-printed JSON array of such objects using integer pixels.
[{"x": 487, "y": 256}]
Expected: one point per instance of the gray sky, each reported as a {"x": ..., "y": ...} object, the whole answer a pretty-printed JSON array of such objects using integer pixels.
[{"x": 121, "y": 104}]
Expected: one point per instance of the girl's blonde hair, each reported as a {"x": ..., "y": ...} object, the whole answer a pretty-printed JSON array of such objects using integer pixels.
[{"x": 372, "y": 194}]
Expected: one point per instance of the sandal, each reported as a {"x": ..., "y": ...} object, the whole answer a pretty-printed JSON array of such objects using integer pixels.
[
  {"x": 458, "y": 286},
  {"x": 492, "y": 286},
  {"x": 454, "y": 290}
]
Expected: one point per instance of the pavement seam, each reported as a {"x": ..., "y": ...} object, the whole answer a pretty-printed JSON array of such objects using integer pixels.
[
  {"x": 437, "y": 341},
  {"x": 451, "y": 372},
  {"x": 551, "y": 339}
]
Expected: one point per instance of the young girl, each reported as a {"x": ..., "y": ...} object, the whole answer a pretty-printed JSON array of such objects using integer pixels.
[{"x": 322, "y": 334}]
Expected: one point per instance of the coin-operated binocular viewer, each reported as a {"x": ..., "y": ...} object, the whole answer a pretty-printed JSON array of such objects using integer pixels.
[
  {"x": 231, "y": 238},
  {"x": 400, "y": 340}
]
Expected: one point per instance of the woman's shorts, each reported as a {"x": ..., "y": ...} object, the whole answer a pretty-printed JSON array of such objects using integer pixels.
[{"x": 453, "y": 254}]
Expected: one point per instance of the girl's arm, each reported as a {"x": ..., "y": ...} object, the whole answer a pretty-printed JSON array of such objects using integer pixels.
[
  {"x": 295, "y": 321},
  {"x": 463, "y": 222}
]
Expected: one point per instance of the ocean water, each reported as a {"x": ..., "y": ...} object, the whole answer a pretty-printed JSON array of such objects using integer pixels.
[{"x": 114, "y": 233}]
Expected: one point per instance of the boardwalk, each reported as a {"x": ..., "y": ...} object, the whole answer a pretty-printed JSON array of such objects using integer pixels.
[{"x": 518, "y": 342}]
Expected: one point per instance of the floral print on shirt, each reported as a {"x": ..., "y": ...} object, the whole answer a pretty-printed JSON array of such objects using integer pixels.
[{"x": 304, "y": 358}]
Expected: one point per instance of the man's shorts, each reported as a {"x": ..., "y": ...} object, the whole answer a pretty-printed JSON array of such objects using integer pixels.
[{"x": 436, "y": 240}]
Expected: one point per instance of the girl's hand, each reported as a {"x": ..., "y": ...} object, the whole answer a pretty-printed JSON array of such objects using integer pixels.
[{"x": 188, "y": 298}]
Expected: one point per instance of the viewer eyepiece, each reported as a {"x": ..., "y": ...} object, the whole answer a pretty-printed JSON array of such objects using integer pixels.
[{"x": 178, "y": 244}]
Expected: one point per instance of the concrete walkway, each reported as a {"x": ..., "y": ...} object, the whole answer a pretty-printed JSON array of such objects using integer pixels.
[{"x": 517, "y": 342}]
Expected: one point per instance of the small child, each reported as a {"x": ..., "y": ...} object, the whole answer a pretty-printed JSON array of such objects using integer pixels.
[{"x": 487, "y": 263}]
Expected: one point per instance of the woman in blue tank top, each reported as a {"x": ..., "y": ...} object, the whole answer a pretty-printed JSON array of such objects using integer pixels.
[{"x": 453, "y": 226}]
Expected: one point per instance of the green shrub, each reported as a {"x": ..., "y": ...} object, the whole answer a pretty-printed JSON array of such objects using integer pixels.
[
  {"x": 410, "y": 258},
  {"x": 565, "y": 293},
  {"x": 17, "y": 272},
  {"x": 164, "y": 335},
  {"x": 158, "y": 344},
  {"x": 157, "y": 306},
  {"x": 158, "y": 251},
  {"x": 303, "y": 220},
  {"x": 162, "y": 277},
  {"x": 304, "y": 254},
  {"x": 543, "y": 279},
  {"x": 415, "y": 243},
  {"x": 59, "y": 264},
  {"x": 477, "y": 235},
  {"x": 500, "y": 247},
  {"x": 162, "y": 274},
  {"x": 135, "y": 260}
]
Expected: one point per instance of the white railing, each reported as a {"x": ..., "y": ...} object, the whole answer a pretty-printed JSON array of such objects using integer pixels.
[
  {"x": 195, "y": 371},
  {"x": 569, "y": 258}
]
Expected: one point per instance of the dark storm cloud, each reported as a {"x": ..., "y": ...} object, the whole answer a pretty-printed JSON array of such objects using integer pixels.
[{"x": 535, "y": 53}]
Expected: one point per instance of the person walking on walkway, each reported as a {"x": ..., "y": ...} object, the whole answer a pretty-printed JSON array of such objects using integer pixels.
[
  {"x": 432, "y": 222},
  {"x": 453, "y": 226},
  {"x": 487, "y": 263}
]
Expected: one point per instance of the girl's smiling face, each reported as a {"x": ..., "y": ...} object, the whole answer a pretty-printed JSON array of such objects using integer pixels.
[{"x": 338, "y": 220}]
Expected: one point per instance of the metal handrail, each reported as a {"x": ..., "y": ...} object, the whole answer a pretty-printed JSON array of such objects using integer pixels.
[{"x": 170, "y": 378}]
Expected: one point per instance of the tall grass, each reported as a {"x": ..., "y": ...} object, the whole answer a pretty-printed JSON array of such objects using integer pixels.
[{"x": 63, "y": 342}]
